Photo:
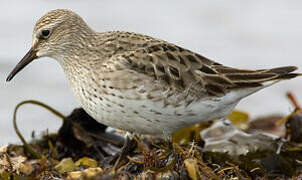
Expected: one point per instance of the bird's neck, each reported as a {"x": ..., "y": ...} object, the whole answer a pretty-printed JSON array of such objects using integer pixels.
[{"x": 88, "y": 54}]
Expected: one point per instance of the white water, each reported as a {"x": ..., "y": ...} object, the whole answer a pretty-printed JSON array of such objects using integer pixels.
[{"x": 246, "y": 34}]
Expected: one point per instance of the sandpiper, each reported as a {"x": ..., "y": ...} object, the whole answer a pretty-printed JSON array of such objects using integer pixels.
[{"x": 139, "y": 83}]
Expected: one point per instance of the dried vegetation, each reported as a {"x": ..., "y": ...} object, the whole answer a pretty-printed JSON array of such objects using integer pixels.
[{"x": 83, "y": 149}]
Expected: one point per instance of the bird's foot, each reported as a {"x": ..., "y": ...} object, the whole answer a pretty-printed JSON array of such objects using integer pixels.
[{"x": 130, "y": 144}]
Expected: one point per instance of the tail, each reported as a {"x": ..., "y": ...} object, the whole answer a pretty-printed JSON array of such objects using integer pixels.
[
  {"x": 242, "y": 81},
  {"x": 257, "y": 78},
  {"x": 281, "y": 73},
  {"x": 248, "y": 81},
  {"x": 284, "y": 73}
]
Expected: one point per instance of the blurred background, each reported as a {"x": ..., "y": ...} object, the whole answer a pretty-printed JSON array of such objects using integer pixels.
[{"x": 244, "y": 34}]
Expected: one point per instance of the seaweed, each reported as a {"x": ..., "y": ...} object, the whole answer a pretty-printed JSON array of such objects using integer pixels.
[{"x": 85, "y": 149}]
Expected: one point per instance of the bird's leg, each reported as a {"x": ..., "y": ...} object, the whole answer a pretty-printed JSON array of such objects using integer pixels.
[
  {"x": 168, "y": 139},
  {"x": 128, "y": 145}
]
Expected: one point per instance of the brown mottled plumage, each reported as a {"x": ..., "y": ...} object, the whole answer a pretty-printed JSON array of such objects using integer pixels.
[{"x": 138, "y": 83}]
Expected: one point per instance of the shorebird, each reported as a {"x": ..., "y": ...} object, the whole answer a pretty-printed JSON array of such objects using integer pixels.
[{"x": 139, "y": 83}]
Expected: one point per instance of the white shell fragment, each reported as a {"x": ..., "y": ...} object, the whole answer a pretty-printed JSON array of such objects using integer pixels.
[{"x": 224, "y": 137}]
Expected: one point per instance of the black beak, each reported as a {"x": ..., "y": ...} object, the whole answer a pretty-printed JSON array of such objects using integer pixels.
[{"x": 29, "y": 57}]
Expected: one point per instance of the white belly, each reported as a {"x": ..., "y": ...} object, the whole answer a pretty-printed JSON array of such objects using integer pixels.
[
  {"x": 133, "y": 110},
  {"x": 144, "y": 116}
]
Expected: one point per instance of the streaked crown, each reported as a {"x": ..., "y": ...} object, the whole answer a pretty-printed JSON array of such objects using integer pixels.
[{"x": 57, "y": 31}]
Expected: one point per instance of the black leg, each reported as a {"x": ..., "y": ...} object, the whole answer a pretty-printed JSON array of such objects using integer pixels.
[{"x": 129, "y": 144}]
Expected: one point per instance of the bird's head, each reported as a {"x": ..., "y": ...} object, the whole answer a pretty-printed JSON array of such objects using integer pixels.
[{"x": 57, "y": 33}]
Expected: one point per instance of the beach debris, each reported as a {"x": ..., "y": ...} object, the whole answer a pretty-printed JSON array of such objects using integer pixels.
[
  {"x": 66, "y": 165},
  {"x": 224, "y": 137},
  {"x": 85, "y": 149}
]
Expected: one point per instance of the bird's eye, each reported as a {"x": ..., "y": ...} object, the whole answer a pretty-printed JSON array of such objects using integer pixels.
[{"x": 45, "y": 33}]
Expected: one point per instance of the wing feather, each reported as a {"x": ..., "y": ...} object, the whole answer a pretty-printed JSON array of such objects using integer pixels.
[{"x": 181, "y": 69}]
